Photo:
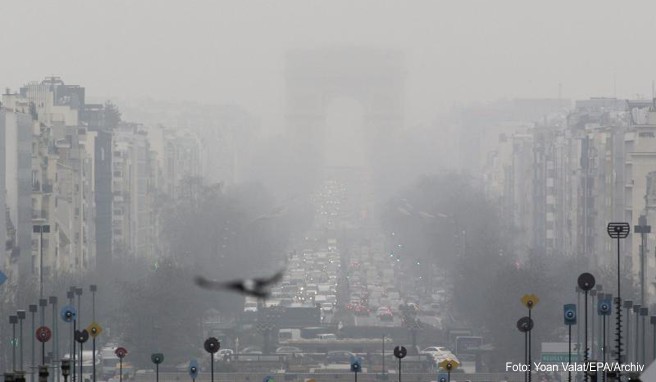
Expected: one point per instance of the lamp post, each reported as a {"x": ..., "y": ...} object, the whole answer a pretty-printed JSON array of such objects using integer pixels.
[
  {"x": 21, "y": 316},
  {"x": 78, "y": 293},
  {"x": 13, "y": 320},
  {"x": 643, "y": 229},
  {"x": 578, "y": 331},
  {"x": 628, "y": 304},
  {"x": 93, "y": 288},
  {"x": 643, "y": 314},
  {"x": 593, "y": 294},
  {"x": 71, "y": 296},
  {"x": 41, "y": 229},
  {"x": 33, "y": 309},
  {"x": 586, "y": 282},
  {"x": 618, "y": 231},
  {"x": 570, "y": 319},
  {"x": 530, "y": 301},
  {"x": 604, "y": 308},
  {"x": 652, "y": 321},
  {"x": 636, "y": 351},
  {"x": 65, "y": 368},
  {"x": 55, "y": 332}
]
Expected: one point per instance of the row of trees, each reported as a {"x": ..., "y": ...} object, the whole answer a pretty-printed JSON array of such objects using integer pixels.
[
  {"x": 446, "y": 224},
  {"x": 153, "y": 305}
]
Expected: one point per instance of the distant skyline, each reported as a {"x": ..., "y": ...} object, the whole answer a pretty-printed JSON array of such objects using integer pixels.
[{"x": 233, "y": 51}]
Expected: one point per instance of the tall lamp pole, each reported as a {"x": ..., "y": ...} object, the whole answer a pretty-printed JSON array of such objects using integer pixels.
[
  {"x": 21, "y": 316},
  {"x": 643, "y": 229},
  {"x": 628, "y": 304},
  {"x": 55, "y": 332},
  {"x": 13, "y": 320},
  {"x": 41, "y": 229},
  {"x": 586, "y": 282},
  {"x": 618, "y": 231},
  {"x": 636, "y": 351},
  {"x": 652, "y": 321},
  {"x": 33, "y": 308},
  {"x": 643, "y": 313},
  {"x": 93, "y": 288}
]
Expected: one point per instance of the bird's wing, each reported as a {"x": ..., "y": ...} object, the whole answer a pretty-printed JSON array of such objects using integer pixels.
[
  {"x": 213, "y": 284},
  {"x": 263, "y": 282}
]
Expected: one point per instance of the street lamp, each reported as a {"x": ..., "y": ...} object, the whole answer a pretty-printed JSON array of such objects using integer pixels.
[
  {"x": 78, "y": 293},
  {"x": 33, "y": 308},
  {"x": 618, "y": 231},
  {"x": 41, "y": 229},
  {"x": 636, "y": 353},
  {"x": 652, "y": 321},
  {"x": 643, "y": 229},
  {"x": 628, "y": 304},
  {"x": 21, "y": 316},
  {"x": 65, "y": 368},
  {"x": 593, "y": 294},
  {"x": 643, "y": 313},
  {"x": 55, "y": 332},
  {"x": 586, "y": 282},
  {"x": 13, "y": 320},
  {"x": 93, "y": 289}
]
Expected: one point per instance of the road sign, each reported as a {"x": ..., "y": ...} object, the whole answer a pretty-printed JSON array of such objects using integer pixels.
[
  {"x": 68, "y": 313},
  {"x": 81, "y": 336},
  {"x": 530, "y": 300},
  {"x": 157, "y": 358},
  {"x": 356, "y": 365},
  {"x": 618, "y": 230},
  {"x": 604, "y": 307},
  {"x": 525, "y": 324},
  {"x": 569, "y": 314},
  {"x": 586, "y": 281},
  {"x": 468, "y": 344},
  {"x": 449, "y": 364},
  {"x": 43, "y": 334},
  {"x": 212, "y": 345},
  {"x": 400, "y": 352},
  {"x": 3, "y": 278},
  {"x": 94, "y": 329},
  {"x": 193, "y": 369},
  {"x": 121, "y": 352}
]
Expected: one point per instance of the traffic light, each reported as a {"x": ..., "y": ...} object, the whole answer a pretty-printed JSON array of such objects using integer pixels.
[
  {"x": 193, "y": 369},
  {"x": 604, "y": 307},
  {"x": 157, "y": 358},
  {"x": 569, "y": 314},
  {"x": 356, "y": 366},
  {"x": 68, "y": 313}
]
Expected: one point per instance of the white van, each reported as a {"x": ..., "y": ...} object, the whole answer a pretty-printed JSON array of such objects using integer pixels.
[{"x": 289, "y": 334}]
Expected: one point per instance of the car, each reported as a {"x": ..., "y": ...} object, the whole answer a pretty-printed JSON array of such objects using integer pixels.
[
  {"x": 250, "y": 306},
  {"x": 384, "y": 314},
  {"x": 288, "y": 350},
  {"x": 435, "y": 350},
  {"x": 224, "y": 354},
  {"x": 339, "y": 356},
  {"x": 327, "y": 307},
  {"x": 252, "y": 350}
]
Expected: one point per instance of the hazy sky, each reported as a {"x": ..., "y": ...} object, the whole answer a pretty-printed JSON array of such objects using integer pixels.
[{"x": 232, "y": 51}]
